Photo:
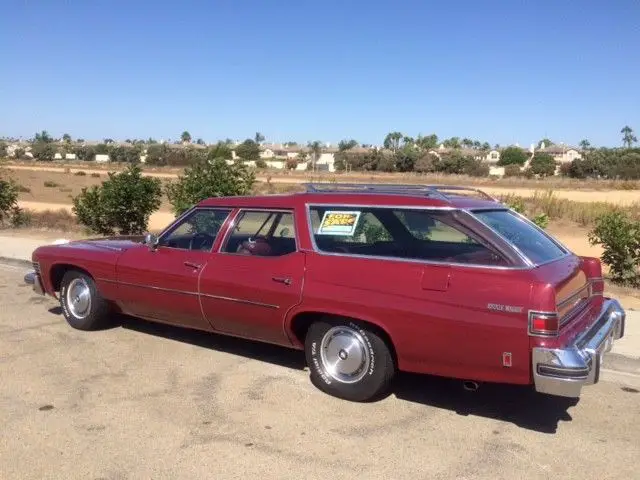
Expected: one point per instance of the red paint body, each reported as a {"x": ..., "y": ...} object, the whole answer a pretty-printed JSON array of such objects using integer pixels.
[{"x": 436, "y": 315}]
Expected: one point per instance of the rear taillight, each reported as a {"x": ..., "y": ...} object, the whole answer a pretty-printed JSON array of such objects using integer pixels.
[{"x": 543, "y": 324}]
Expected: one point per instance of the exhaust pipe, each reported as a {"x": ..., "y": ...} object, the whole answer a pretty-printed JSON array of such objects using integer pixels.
[{"x": 470, "y": 385}]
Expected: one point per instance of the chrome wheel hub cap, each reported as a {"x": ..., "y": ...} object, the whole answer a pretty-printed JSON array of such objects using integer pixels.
[
  {"x": 79, "y": 298},
  {"x": 344, "y": 354}
]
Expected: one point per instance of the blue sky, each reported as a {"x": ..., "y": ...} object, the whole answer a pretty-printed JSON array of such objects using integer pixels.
[{"x": 501, "y": 71}]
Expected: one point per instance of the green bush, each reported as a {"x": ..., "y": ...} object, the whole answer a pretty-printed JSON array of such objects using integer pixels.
[
  {"x": 209, "y": 178},
  {"x": 80, "y": 173},
  {"x": 50, "y": 184},
  {"x": 10, "y": 212},
  {"x": 121, "y": 205},
  {"x": 512, "y": 170},
  {"x": 619, "y": 236},
  {"x": 543, "y": 165}
]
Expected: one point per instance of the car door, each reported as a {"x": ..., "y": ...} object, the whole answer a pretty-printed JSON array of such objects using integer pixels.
[
  {"x": 248, "y": 287},
  {"x": 161, "y": 282}
]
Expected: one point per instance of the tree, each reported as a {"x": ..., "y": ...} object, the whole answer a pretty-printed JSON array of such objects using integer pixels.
[
  {"x": 107, "y": 141},
  {"x": 248, "y": 150},
  {"x": 185, "y": 137},
  {"x": 43, "y": 137},
  {"x": 200, "y": 142},
  {"x": 121, "y": 205},
  {"x": 259, "y": 138},
  {"x": 546, "y": 142},
  {"x": 43, "y": 151},
  {"x": 392, "y": 141},
  {"x": 585, "y": 144},
  {"x": 467, "y": 143},
  {"x": 316, "y": 150},
  {"x": 427, "y": 143},
  {"x": 512, "y": 156},
  {"x": 66, "y": 138},
  {"x": 542, "y": 164},
  {"x": 453, "y": 142},
  {"x": 344, "y": 145},
  {"x": 220, "y": 150},
  {"x": 211, "y": 178},
  {"x": 10, "y": 212},
  {"x": 426, "y": 164},
  {"x": 628, "y": 138},
  {"x": 485, "y": 146}
]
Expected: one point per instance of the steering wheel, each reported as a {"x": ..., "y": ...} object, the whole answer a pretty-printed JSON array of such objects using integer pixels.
[{"x": 207, "y": 241}]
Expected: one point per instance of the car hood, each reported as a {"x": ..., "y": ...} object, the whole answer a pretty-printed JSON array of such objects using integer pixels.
[{"x": 116, "y": 244}]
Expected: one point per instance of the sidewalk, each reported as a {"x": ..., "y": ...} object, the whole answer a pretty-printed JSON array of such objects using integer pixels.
[{"x": 17, "y": 249}]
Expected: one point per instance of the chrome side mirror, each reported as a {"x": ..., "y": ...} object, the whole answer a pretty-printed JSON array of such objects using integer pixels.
[{"x": 151, "y": 241}]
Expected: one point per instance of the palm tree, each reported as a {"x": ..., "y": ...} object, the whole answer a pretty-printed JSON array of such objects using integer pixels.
[
  {"x": 185, "y": 137},
  {"x": 259, "y": 138},
  {"x": 66, "y": 138},
  {"x": 628, "y": 137},
  {"x": 316, "y": 150},
  {"x": 585, "y": 144}
]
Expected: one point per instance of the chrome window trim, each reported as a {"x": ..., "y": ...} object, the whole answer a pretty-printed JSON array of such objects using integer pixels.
[
  {"x": 237, "y": 216},
  {"x": 196, "y": 294},
  {"x": 176, "y": 223},
  {"x": 521, "y": 217},
  {"x": 318, "y": 251}
]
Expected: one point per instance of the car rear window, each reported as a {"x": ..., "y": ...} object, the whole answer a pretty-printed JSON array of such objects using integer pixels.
[{"x": 530, "y": 240}]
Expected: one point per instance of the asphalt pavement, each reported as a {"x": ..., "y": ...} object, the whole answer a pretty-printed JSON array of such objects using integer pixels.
[{"x": 148, "y": 401}]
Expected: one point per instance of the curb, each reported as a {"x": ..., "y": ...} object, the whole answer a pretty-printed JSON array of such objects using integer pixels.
[{"x": 19, "y": 262}]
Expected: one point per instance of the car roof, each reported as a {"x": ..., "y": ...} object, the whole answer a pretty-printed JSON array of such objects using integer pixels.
[{"x": 443, "y": 196}]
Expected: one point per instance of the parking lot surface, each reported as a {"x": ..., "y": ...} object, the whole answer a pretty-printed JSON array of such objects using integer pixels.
[{"x": 146, "y": 401}]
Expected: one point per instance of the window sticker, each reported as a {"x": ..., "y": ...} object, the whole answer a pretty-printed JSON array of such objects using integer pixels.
[{"x": 339, "y": 222}]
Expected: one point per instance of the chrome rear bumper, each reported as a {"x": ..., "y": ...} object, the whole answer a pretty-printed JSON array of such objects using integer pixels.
[
  {"x": 565, "y": 371},
  {"x": 33, "y": 278}
]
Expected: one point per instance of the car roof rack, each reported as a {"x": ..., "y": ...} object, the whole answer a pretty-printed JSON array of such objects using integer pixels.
[{"x": 438, "y": 191}]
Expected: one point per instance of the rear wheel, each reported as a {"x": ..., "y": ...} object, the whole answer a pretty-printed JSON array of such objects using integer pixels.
[
  {"x": 81, "y": 302},
  {"x": 349, "y": 359}
]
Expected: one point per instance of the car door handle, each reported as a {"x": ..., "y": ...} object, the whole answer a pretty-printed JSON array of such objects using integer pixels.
[
  {"x": 286, "y": 281},
  {"x": 192, "y": 265}
]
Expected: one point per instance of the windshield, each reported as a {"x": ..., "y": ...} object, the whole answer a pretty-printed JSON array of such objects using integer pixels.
[{"x": 533, "y": 243}]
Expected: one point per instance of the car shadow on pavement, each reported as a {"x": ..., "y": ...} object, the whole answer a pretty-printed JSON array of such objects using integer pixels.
[
  {"x": 519, "y": 405},
  {"x": 261, "y": 351}
]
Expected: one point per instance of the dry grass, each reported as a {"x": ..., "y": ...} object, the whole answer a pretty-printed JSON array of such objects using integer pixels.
[
  {"x": 58, "y": 220},
  {"x": 582, "y": 213}
]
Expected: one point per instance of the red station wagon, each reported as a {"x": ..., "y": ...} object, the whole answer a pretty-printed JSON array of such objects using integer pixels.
[{"x": 368, "y": 280}]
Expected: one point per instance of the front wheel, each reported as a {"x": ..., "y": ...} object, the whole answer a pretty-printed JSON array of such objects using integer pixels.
[
  {"x": 349, "y": 360},
  {"x": 81, "y": 302}
]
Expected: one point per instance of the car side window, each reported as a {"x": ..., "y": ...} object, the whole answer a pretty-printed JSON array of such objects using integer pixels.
[
  {"x": 401, "y": 233},
  {"x": 262, "y": 234},
  {"x": 197, "y": 231}
]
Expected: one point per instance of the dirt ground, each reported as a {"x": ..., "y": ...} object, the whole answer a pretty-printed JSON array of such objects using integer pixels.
[{"x": 69, "y": 184}]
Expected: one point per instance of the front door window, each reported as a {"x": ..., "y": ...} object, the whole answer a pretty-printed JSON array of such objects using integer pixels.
[{"x": 197, "y": 231}]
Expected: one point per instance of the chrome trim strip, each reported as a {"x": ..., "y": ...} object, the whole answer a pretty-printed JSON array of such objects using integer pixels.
[
  {"x": 184, "y": 292},
  {"x": 317, "y": 250},
  {"x": 572, "y": 296},
  {"x": 239, "y": 300},
  {"x": 139, "y": 285}
]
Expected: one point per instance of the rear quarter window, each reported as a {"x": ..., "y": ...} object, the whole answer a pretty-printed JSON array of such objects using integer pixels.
[{"x": 532, "y": 242}]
